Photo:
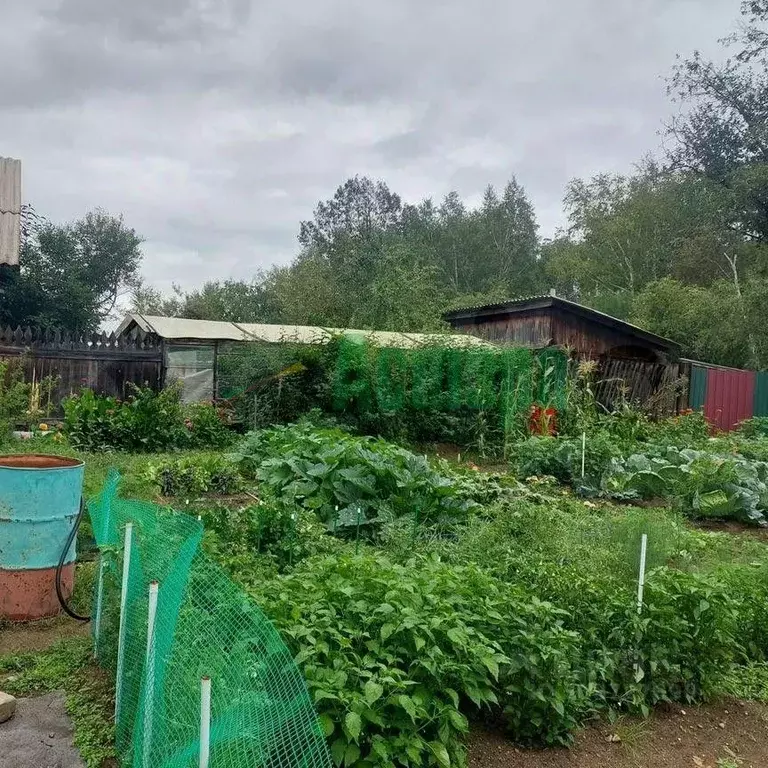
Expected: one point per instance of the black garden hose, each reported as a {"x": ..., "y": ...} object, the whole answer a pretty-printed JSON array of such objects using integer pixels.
[{"x": 60, "y": 566}]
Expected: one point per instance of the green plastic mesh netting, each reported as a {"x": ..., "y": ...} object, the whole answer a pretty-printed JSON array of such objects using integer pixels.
[
  {"x": 444, "y": 378},
  {"x": 261, "y": 713}
]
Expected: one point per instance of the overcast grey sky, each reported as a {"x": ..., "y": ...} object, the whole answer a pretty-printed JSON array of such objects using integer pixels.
[{"x": 214, "y": 126}]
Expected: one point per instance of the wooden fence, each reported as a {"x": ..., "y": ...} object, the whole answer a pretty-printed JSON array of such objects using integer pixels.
[
  {"x": 102, "y": 362},
  {"x": 660, "y": 389}
]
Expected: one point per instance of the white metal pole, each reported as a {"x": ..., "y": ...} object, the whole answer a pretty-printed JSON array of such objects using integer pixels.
[
  {"x": 100, "y": 586},
  {"x": 128, "y": 542},
  {"x": 205, "y": 721},
  {"x": 583, "y": 453},
  {"x": 149, "y": 686},
  {"x": 97, "y": 617},
  {"x": 641, "y": 577}
]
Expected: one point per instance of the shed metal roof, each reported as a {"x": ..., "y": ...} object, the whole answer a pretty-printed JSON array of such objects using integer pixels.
[
  {"x": 178, "y": 329},
  {"x": 526, "y": 303}
]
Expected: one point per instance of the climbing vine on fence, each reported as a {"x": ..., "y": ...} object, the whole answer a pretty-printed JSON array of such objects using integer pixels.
[{"x": 441, "y": 378}]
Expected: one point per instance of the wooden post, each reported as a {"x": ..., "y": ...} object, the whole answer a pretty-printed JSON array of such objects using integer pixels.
[{"x": 10, "y": 211}]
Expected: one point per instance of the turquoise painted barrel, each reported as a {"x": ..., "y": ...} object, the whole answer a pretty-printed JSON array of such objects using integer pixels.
[{"x": 39, "y": 501}]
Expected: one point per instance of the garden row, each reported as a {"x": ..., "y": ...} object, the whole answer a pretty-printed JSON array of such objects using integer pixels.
[{"x": 418, "y": 596}]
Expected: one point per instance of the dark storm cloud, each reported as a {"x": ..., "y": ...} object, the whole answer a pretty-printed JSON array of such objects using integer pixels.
[{"x": 215, "y": 125}]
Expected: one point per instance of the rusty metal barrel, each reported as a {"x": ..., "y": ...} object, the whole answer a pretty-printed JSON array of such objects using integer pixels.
[{"x": 40, "y": 499}]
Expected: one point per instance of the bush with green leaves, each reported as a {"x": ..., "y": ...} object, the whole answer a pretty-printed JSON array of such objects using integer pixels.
[
  {"x": 145, "y": 422},
  {"x": 206, "y": 427},
  {"x": 22, "y": 404},
  {"x": 584, "y": 561},
  {"x": 351, "y": 483},
  {"x": 269, "y": 532},
  {"x": 757, "y": 426},
  {"x": 197, "y": 475},
  {"x": 267, "y": 384},
  {"x": 14, "y": 396},
  {"x": 686, "y": 430},
  {"x": 561, "y": 457},
  {"x": 395, "y": 654}
]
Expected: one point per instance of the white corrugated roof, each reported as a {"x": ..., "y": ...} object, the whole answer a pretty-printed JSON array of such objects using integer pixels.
[
  {"x": 176, "y": 328},
  {"x": 298, "y": 334},
  {"x": 184, "y": 328}
]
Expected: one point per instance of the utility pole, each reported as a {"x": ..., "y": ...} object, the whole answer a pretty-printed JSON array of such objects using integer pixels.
[{"x": 10, "y": 219}]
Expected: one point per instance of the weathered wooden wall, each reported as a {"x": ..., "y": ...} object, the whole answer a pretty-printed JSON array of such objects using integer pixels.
[
  {"x": 590, "y": 340},
  {"x": 102, "y": 362},
  {"x": 661, "y": 389},
  {"x": 532, "y": 329},
  {"x": 544, "y": 327}
]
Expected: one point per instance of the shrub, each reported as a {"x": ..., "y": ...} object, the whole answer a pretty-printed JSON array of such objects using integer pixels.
[
  {"x": 687, "y": 636},
  {"x": 584, "y": 565},
  {"x": 195, "y": 475},
  {"x": 22, "y": 402},
  {"x": 270, "y": 530},
  {"x": 687, "y": 430},
  {"x": 757, "y": 426},
  {"x": 349, "y": 482},
  {"x": 392, "y": 654},
  {"x": 14, "y": 396},
  {"x": 561, "y": 457},
  {"x": 267, "y": 384},
  {"x": 146, "y": 421},
  {"x": 206, "y": 427}
]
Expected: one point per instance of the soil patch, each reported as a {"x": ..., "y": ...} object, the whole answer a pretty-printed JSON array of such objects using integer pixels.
[
  {"x": 34, "y": 636},
  {"x": 733, "y": 527},
  {"x": 674, "y": 737}
]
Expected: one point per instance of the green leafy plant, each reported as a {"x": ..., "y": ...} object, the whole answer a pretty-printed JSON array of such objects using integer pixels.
[
  {"x": 561, "y": 457},
  {"x": 757, "y": 426},
  {"x": 146, "y": 421},
  {"x": 703, "y": 484},
  {"x": 195, "y": 475},
  {"x": 687, "y": 430},
  {"x": 394, "y": 654},
  {"x": 271, "y": 530},
  {"x": 351, "y": 483},
  {"x": 22, "y": 402},
  {"x": 206, "y": 426}
]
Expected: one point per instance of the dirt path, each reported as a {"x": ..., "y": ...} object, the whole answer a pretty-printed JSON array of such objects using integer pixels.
[
  {"x": 734, "y": 732},
  {"x": 38, "y": 635}
]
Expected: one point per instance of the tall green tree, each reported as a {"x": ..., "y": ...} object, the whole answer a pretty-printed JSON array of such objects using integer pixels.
[
  {"x": 708, "y": 321},
  {"x": 627, "y": 232},
  {"x": 722, "y": 131},
  {"x": 510, "y": 242},
  {"x": 230, "y": 300},
  {"x": 71, "y": 276}
]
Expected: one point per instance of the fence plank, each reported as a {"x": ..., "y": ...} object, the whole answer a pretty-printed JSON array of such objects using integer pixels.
[{"x": 100, "y": 361}]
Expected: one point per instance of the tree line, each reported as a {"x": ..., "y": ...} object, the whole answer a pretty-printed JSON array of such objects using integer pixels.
[{"x": 679, "y": 247}]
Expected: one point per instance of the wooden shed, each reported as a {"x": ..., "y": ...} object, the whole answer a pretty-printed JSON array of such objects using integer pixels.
[{"x": 633, "y": 363}]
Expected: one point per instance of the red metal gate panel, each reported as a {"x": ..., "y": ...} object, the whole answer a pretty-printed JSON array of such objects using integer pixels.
[{"x": 730, "y": 397}]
